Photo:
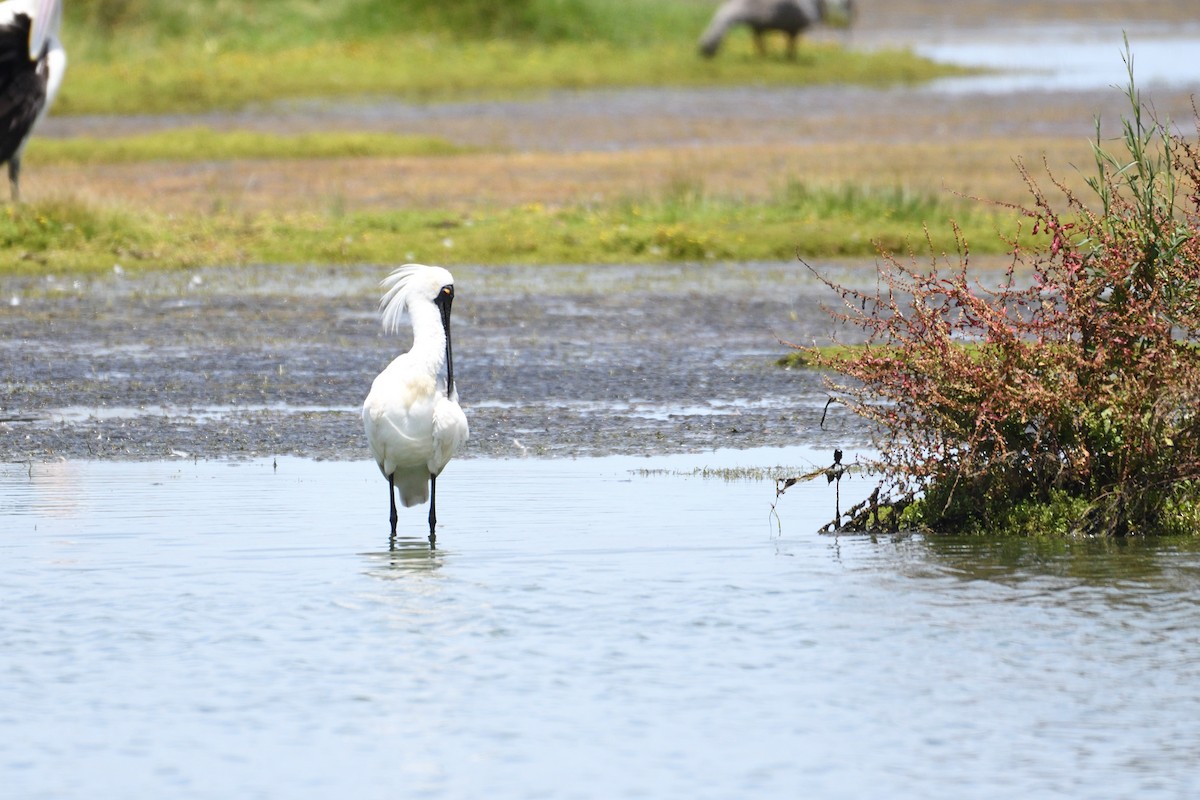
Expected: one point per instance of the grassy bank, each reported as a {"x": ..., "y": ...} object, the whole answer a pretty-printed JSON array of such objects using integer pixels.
[
  {"x": 192, "y": 79},
  {"x": 270, "y": 25},
  {"x": 71, "y": 236},
  {"x": 150, "y": 56},
  {"x": 154, "y": 56}
]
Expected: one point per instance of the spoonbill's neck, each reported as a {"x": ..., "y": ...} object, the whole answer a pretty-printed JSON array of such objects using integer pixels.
[{"x": 429, "y": 338}]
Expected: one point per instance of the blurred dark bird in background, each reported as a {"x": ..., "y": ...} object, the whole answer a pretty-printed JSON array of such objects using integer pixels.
[{"x": 32, "y": 63}]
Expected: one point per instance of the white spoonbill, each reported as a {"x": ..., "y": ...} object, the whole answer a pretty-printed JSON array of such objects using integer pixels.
[
  {"x": 32, "y": 63},
  {"x": 412, "y": 418}
]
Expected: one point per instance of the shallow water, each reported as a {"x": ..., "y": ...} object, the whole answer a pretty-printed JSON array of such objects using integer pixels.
[
  {"x": 1068, "y": 59},
  {"x": 611, "y": 627}
]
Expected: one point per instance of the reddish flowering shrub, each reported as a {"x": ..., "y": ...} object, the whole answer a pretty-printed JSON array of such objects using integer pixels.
[{"x": 1072, "y": 386}]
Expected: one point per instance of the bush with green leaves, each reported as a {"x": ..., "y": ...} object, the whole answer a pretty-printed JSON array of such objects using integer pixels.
[{"x": 1068, "y": 397}]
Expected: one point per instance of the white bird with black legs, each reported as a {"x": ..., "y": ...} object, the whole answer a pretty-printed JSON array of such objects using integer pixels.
[
  {"x": 412, "y": 418},
  {"x": 32, "y": 64}
]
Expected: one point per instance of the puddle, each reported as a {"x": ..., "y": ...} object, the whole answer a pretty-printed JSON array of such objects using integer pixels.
[
  {"x": 1066, "y": 60},
  {"x": 607, "y": 627},
  {"x": 191, "y": 414}
]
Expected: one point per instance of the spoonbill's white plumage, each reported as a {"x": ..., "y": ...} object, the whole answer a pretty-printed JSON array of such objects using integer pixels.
[
  {"x": 412, "y": 418},
  {"x": 32, "y": 64}
]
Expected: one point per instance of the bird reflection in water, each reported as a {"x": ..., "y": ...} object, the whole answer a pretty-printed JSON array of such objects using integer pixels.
[{"x": 405, "y": 555}]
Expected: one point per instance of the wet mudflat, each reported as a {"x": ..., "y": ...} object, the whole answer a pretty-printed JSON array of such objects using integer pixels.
[
  {"x": 613, "y": 627},
  {"x": 549, "y": 360}
]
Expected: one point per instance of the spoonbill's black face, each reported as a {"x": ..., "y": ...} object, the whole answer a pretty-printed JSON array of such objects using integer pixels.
[{"x": 443, "y": 301}]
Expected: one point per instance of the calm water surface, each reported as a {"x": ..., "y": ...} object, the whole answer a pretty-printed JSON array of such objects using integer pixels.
[
  {"x": 586, "y": 630},
  {"x": 1068, "y": 58}
]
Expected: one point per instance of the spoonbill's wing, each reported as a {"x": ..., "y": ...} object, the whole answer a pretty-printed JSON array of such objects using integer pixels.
[
  {"x": 450, "y": 433},
  {"x": 47, "y": 15}
]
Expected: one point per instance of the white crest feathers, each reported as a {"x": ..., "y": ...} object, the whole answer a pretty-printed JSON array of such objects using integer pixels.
[{"x": 406, "y": 284}]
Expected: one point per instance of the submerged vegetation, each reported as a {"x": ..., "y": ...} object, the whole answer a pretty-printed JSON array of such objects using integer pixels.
[{"x": 1077, "y": 406}]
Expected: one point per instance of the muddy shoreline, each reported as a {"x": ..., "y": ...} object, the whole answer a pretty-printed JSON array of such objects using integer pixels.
[{"x": 557, "y": 361}]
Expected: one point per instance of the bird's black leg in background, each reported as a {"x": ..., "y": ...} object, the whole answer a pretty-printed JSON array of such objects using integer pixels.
[
  {"x": 392, "y": 498},
  {"x": 14, "y": 177},
  {"x": 432, "y": 509}
]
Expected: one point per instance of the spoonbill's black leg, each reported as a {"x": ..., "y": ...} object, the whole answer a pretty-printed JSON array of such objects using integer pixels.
[
  {"x": 14, "y": 178},
  {"x": 432, "y": 508},
  {"x": 392, "y": 498}
]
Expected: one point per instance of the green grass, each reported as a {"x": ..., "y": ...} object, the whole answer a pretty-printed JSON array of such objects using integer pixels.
[
  {"x": 266, "y": 25},
  {"x": 161, "y": 56},
  {"x": 806, "y": 358},
  {"x": 803, "y": 359},
  {"x": 154, "y": 56},
  {"x": 205, "y": 144},
  {"x": 193, "y": 79},
  {"x": 70, "y": 236}
]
